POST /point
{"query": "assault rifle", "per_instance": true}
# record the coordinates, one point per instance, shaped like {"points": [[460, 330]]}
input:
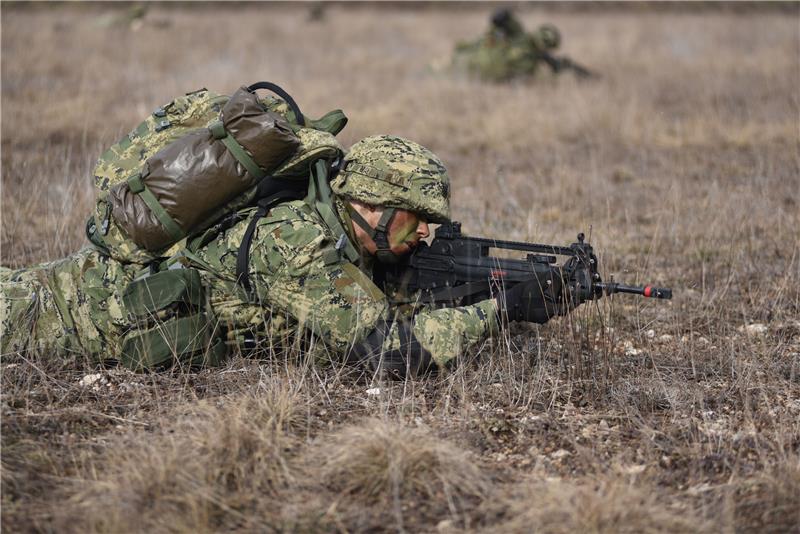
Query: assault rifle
{"points": [[558, 64], [456, 270]]}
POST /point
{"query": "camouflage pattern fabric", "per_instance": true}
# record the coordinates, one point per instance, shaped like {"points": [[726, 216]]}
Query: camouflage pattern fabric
{"points": [[314, 145], [385, 170], [297, 282], [301, 286], [121, 160], [69, 305], [168, 123], [506, 52]]}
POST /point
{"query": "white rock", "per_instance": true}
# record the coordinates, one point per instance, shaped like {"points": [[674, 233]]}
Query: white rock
{"points": [[444, 525], [560, 453], [650, 333], [630, 350], [634, 469], [374, 392], [699, 489], [88, 380], [753, 329]]}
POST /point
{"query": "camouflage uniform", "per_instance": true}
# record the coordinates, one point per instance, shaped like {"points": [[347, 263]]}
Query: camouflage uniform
{"points": [[300, 281], [506, 51], [68, 305]]}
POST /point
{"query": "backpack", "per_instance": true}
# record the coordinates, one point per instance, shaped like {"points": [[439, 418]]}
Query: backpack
{"points": [[199, 158]]}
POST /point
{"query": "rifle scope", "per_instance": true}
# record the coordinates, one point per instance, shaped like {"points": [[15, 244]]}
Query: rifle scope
{"points": [[648, 291]]}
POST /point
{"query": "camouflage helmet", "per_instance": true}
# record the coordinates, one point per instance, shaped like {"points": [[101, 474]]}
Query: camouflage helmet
{"points": [[389, 171], [504, 22], [549, 35]]}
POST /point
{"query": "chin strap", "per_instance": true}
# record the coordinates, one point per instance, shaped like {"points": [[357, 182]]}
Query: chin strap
{"points": [[379, 234]]}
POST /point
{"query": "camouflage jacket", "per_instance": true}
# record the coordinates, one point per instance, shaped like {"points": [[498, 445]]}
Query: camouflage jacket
{"points": [[300, 285], [500, 57]]}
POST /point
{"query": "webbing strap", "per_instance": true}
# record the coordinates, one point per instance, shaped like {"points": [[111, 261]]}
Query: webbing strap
{"points": [[333, 122], [237, 150], [379, 234], [138, 187], [243, 254], [362, 222], [182, 257], [394, 178], [63, 309], [319, 196], [385, 220]]}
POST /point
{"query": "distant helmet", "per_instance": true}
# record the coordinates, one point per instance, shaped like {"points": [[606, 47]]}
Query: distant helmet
{"points": [[501, 17], [389, 171], [504, 22], [550, 35]]}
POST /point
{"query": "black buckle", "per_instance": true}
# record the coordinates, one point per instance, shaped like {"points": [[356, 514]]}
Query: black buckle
{"points": [[249, 342]]}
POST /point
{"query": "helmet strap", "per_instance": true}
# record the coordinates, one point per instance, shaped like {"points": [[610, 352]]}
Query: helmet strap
{"points": [[379, 234]]}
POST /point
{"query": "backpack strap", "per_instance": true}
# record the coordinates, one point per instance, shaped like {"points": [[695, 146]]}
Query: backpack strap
{"points": [[320, 198], [219, 132], [299, 119], [137, 187], [243, 254]]}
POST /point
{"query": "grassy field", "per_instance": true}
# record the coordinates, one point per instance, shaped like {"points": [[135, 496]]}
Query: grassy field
{"points": [[628, 416]]}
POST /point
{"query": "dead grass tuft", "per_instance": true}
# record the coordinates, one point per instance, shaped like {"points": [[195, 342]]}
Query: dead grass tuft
{"points": [[382, 466], [594, 506], [198, 471], [771, 502]]}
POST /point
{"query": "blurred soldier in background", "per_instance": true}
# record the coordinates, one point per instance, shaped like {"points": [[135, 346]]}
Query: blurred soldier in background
{"points": [[506, 51], [309, 272]]}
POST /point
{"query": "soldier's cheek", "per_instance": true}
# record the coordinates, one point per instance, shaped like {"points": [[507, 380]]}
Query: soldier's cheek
{"points": [[402, 236]]}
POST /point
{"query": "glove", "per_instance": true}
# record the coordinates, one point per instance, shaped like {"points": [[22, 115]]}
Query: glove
{"points": [[534, 301]]}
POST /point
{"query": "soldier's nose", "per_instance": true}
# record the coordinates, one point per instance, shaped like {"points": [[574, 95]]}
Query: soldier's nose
{"points": [[423, 229]]}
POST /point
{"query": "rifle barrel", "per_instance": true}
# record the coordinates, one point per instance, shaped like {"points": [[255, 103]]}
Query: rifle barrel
{"points": [[647, 291]]}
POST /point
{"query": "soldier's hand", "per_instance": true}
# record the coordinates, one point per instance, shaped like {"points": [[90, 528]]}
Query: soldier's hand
{"points": [[534, 301]]}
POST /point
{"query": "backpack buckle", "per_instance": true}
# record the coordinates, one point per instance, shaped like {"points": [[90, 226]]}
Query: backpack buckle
{"points": [[218, 130]]}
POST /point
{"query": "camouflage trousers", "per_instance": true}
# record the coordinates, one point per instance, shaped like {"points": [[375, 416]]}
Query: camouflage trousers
{"points": [[74, 306], [66, 306]]}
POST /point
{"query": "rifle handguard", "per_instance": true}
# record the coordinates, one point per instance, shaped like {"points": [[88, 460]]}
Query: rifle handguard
{"points": [[531, 302]]}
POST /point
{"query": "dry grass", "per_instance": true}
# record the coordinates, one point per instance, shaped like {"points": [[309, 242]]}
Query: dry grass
{"points": [[596, 506], [378, 469], [628, 416], [212, 460]]}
